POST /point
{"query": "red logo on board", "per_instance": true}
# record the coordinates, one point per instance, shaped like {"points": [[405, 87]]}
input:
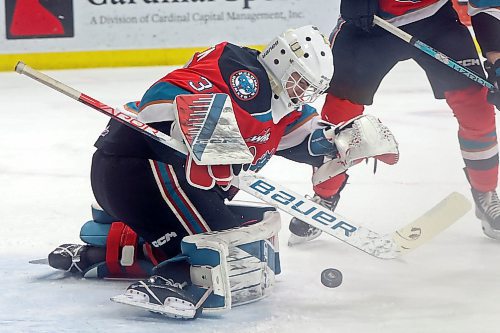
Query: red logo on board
{"points": [[39, 18]]}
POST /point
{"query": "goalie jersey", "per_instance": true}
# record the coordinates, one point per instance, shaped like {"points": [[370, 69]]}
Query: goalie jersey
{"points": [[224, 68]]}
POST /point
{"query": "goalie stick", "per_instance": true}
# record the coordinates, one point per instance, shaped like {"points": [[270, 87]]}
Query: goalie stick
{"points": [[130, 121], [389, 246], [443, 58]]}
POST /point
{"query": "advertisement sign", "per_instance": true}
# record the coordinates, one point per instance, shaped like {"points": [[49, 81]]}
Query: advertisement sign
{"points": [[29, 26]]}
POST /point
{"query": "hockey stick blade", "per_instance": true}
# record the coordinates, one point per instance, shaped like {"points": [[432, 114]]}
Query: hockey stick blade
{"points": [[381, 246], [437, 219]]}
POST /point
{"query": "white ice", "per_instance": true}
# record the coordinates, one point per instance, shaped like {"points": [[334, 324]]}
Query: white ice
{"points": [[448, 285]]}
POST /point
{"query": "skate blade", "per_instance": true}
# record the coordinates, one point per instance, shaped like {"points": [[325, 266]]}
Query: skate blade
{"points": [[165, 310], [295, 240], [489, 231], [43, 261]]}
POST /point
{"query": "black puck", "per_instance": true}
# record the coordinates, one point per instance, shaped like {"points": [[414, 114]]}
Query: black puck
{"points": [[331, 278]]}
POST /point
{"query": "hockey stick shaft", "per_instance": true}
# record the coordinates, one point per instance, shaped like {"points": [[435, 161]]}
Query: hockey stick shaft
{"points": [[433, 53], [380, 246], [119, 116]]}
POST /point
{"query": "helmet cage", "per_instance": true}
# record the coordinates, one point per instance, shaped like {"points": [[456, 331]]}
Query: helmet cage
{"points": [[299, 88]]}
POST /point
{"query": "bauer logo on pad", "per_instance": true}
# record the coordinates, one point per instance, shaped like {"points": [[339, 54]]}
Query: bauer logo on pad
{"points": [[210, 130]]}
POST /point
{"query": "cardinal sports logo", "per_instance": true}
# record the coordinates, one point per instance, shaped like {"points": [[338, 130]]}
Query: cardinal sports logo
{"points": [[244, 84], [38, 19]]}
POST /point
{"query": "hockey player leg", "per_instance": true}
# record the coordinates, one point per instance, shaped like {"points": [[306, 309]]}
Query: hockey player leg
{"points": [[478, 143], [335, 110], [226, 268]]}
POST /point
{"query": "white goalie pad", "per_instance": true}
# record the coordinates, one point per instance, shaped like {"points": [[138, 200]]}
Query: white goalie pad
{"points": [[238, 264], [360, 138], [209, 129]]}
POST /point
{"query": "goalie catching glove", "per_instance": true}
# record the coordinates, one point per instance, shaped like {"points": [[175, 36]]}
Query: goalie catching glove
{"points": [[343, 146], [353, 141]]}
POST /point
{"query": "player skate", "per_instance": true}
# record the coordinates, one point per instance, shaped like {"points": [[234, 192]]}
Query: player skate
{"points": [[488, 211], [300, 231]]}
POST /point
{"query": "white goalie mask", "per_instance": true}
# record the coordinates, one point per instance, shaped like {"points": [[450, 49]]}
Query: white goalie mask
{"points": [[299, 63]]}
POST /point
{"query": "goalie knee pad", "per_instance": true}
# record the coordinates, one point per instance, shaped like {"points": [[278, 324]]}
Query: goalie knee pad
{"points": [[124, 249], [235, 266]]}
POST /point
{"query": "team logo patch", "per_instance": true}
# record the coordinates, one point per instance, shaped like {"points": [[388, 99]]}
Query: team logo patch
{"points": [[244, 84], [262, 137]]}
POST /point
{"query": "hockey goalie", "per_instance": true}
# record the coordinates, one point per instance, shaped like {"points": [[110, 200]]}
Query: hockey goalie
{"points": [[168, 220]]}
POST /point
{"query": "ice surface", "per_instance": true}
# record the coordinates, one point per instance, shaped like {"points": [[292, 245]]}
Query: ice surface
{"points": [[448, 285]]}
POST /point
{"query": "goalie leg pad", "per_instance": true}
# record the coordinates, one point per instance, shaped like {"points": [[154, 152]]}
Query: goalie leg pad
{"points": [[238, 265]]}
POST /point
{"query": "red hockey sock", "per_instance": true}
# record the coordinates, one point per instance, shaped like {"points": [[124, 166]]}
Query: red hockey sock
{"points": [[336, 110], [477, 135]]}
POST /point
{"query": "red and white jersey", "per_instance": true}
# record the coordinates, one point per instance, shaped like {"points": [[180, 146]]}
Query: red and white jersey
{"points": [[235, 71], [401, 12]]}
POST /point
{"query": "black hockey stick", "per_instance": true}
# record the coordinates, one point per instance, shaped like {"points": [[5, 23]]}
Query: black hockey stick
{"points": [[443, 58]]}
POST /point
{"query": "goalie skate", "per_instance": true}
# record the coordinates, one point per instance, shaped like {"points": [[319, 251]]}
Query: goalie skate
{"points": [[69, 258], [160, 295]]}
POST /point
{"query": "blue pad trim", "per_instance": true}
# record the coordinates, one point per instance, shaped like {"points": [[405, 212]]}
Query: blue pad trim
{"points": [[100, 216], [96, 233]]}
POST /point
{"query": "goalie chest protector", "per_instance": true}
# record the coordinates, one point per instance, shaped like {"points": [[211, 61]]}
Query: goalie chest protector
{"points": [[233, 70]]}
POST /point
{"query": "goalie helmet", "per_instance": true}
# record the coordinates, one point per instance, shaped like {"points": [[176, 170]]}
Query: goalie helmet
{"points": [[299, 63]]}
